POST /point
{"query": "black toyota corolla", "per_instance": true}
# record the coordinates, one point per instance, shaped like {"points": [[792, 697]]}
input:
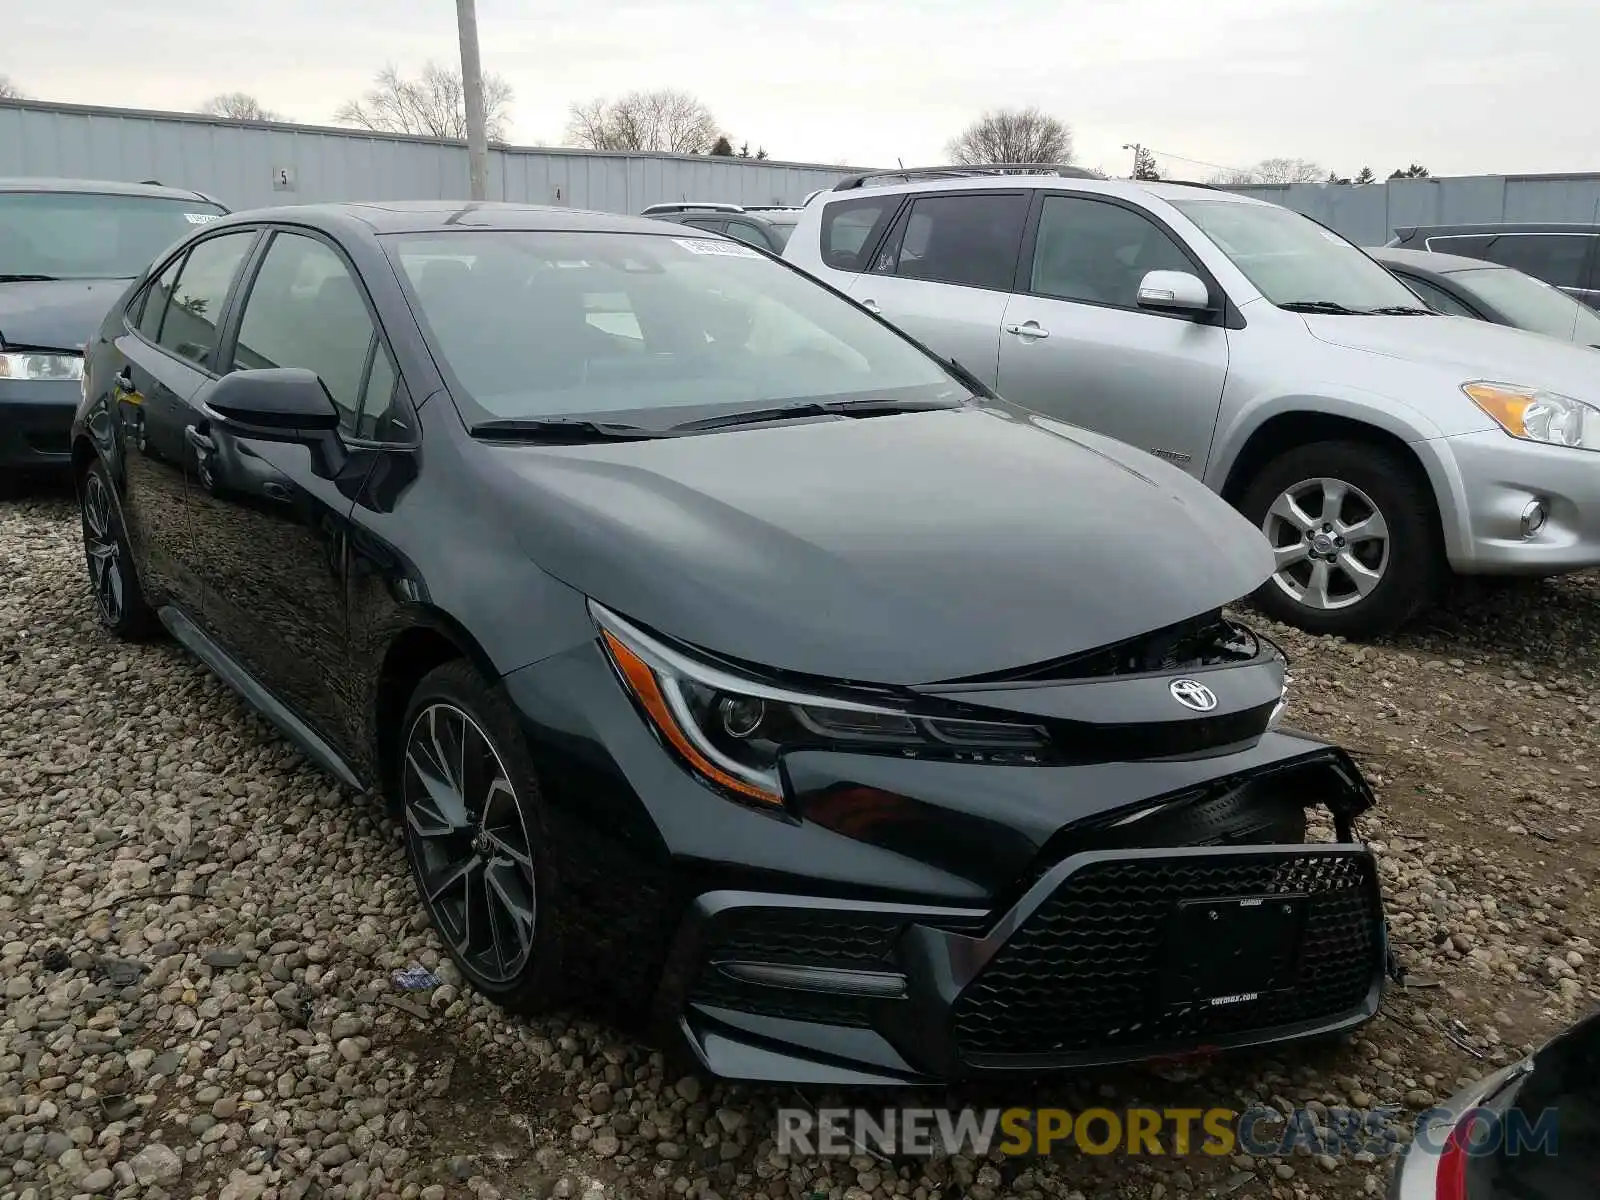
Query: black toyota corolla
{"points": [[732, 662]]}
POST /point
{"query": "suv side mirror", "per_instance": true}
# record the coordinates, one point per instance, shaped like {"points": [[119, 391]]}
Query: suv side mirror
{"points": [[278, 404], [1174, 291]]}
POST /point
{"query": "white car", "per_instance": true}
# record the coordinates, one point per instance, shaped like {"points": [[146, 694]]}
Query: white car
{"points": [[1377, 445]]}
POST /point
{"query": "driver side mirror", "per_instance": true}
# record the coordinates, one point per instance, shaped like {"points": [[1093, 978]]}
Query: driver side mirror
{"points": [[275, 404], [1175, 292]]}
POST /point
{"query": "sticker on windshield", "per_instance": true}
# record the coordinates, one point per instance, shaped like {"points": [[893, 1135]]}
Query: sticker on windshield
{"points": [[200, 218], [709, 246]]}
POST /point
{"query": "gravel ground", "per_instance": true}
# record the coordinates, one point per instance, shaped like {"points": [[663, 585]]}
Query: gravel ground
{"points": [[198, 933]]}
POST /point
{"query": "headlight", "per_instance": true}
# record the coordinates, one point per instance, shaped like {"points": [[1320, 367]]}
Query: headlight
{"points": [[1537, 415], [732, 729], [17, 365]]}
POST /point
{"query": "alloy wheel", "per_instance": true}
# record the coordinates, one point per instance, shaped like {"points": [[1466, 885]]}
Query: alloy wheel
{"points": [[102, 544], [471, 843], [1330, 542]]}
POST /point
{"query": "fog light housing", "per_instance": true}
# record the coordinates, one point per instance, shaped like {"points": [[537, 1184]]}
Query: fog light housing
{"points": [[1534, 517]]}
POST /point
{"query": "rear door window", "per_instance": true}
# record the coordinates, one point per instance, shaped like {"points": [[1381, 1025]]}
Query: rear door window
{"points": [[749, 234], [958, 237], [189, 329], [155, 301], [850, 228]]}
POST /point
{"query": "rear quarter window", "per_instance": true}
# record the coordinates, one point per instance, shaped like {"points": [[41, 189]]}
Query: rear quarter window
{"points": [[850, 228]]}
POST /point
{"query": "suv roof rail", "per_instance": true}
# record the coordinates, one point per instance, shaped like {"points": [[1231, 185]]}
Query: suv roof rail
{"points": [[910, 174], [688, 205], [1211, 187], [773, 207]]}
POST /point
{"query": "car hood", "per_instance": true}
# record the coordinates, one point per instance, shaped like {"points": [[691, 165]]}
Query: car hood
{"points": [[56, 315], [1468, 349], [905, 549]]}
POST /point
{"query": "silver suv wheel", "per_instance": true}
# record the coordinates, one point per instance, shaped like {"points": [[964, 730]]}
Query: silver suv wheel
{"points": [[1331, 543]]}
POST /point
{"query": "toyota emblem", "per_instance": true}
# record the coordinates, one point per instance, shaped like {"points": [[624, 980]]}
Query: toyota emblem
{"points": [[1191, 693]]}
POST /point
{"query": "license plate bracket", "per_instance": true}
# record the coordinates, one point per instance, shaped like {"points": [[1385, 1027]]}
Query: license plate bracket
{"points": [[1234, 950]]}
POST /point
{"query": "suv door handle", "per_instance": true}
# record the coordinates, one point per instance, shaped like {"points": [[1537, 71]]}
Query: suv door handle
{"points": [[1029, 329], [870, 305], [198, 440]]}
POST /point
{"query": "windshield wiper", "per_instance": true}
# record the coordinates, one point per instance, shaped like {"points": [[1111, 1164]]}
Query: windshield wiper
{"points": [[1402, 310], [560, 430], [30, 278], [1323, 306], [879, 407]]}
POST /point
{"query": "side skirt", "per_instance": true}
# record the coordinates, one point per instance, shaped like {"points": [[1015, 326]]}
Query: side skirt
{"points": [[235, 676]]}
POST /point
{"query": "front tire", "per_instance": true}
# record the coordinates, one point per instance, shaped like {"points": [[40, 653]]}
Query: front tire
{"points": [[113, 582], [1354, 536], [477, 839]]}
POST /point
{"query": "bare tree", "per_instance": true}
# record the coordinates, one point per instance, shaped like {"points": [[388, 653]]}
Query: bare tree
{"points": [[9, 90], [240, 106], [1274, 170], [1018, 135], [431, 105], [664, 121]]}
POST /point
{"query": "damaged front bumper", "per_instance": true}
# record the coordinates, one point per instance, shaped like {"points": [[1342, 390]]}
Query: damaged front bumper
{"points": [[1110, 950]]}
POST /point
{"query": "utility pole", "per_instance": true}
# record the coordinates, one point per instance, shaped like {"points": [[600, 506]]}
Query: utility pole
{"points": [[1138, 150], [472, 93]]}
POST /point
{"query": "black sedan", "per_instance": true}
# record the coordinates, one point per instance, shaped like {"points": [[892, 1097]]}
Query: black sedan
{"points": [[1484, 291], [68, 248], [732, 663]]}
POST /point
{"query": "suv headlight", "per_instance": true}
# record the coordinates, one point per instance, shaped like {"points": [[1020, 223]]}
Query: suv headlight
{"points": [[18, 365], [1536, 415], [731, 729]]}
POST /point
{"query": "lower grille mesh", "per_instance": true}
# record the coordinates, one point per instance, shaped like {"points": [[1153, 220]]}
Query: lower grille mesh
{"points": [[1086, 975]]}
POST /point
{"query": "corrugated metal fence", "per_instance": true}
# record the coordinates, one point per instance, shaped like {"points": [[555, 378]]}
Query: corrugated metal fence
{"points": [[251, 164], [1370, 214]]}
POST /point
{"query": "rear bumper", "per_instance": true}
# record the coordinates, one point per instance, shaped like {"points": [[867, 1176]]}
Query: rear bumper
{"points": [[36, 423], [1087, 968]]}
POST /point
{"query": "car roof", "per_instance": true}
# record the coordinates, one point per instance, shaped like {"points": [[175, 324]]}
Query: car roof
{"points": [[1049, 182], [100, 187], [1503, 227], [426, 216], [1430, 261]]}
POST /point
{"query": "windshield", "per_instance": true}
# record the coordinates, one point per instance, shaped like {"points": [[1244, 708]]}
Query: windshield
{"points": [[80, 235], [1292, 260], [1530, 303], [541, 324]]}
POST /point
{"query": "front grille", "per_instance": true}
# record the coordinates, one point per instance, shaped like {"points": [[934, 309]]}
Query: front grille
{"points": [[1090, 974]]}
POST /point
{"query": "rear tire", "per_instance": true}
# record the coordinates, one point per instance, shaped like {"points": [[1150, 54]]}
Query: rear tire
{"points": [[478, 841], [113, 582], [1354, 531]]}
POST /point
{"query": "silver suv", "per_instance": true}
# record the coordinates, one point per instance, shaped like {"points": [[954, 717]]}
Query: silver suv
{"points": [[1377, 445]]}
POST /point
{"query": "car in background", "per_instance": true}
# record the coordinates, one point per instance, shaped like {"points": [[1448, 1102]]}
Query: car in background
{"points": [[739, 666], [1566, 255], [1529, 1131], [68, 248], [1485, 291], [1376, 444], [764, 227]]}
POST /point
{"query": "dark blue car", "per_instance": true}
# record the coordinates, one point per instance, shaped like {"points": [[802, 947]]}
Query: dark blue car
{"points": [[68, 248]]}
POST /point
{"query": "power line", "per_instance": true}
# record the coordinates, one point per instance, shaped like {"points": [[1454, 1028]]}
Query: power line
{"points": [[1197, 162]]}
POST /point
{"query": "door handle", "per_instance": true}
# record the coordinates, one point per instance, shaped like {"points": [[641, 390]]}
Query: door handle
{"points": [[870, 305], [1029, 329], [200, 441]]}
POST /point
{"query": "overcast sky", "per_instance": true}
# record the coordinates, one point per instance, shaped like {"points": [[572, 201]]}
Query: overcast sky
{"points": [[1463, 86]]}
